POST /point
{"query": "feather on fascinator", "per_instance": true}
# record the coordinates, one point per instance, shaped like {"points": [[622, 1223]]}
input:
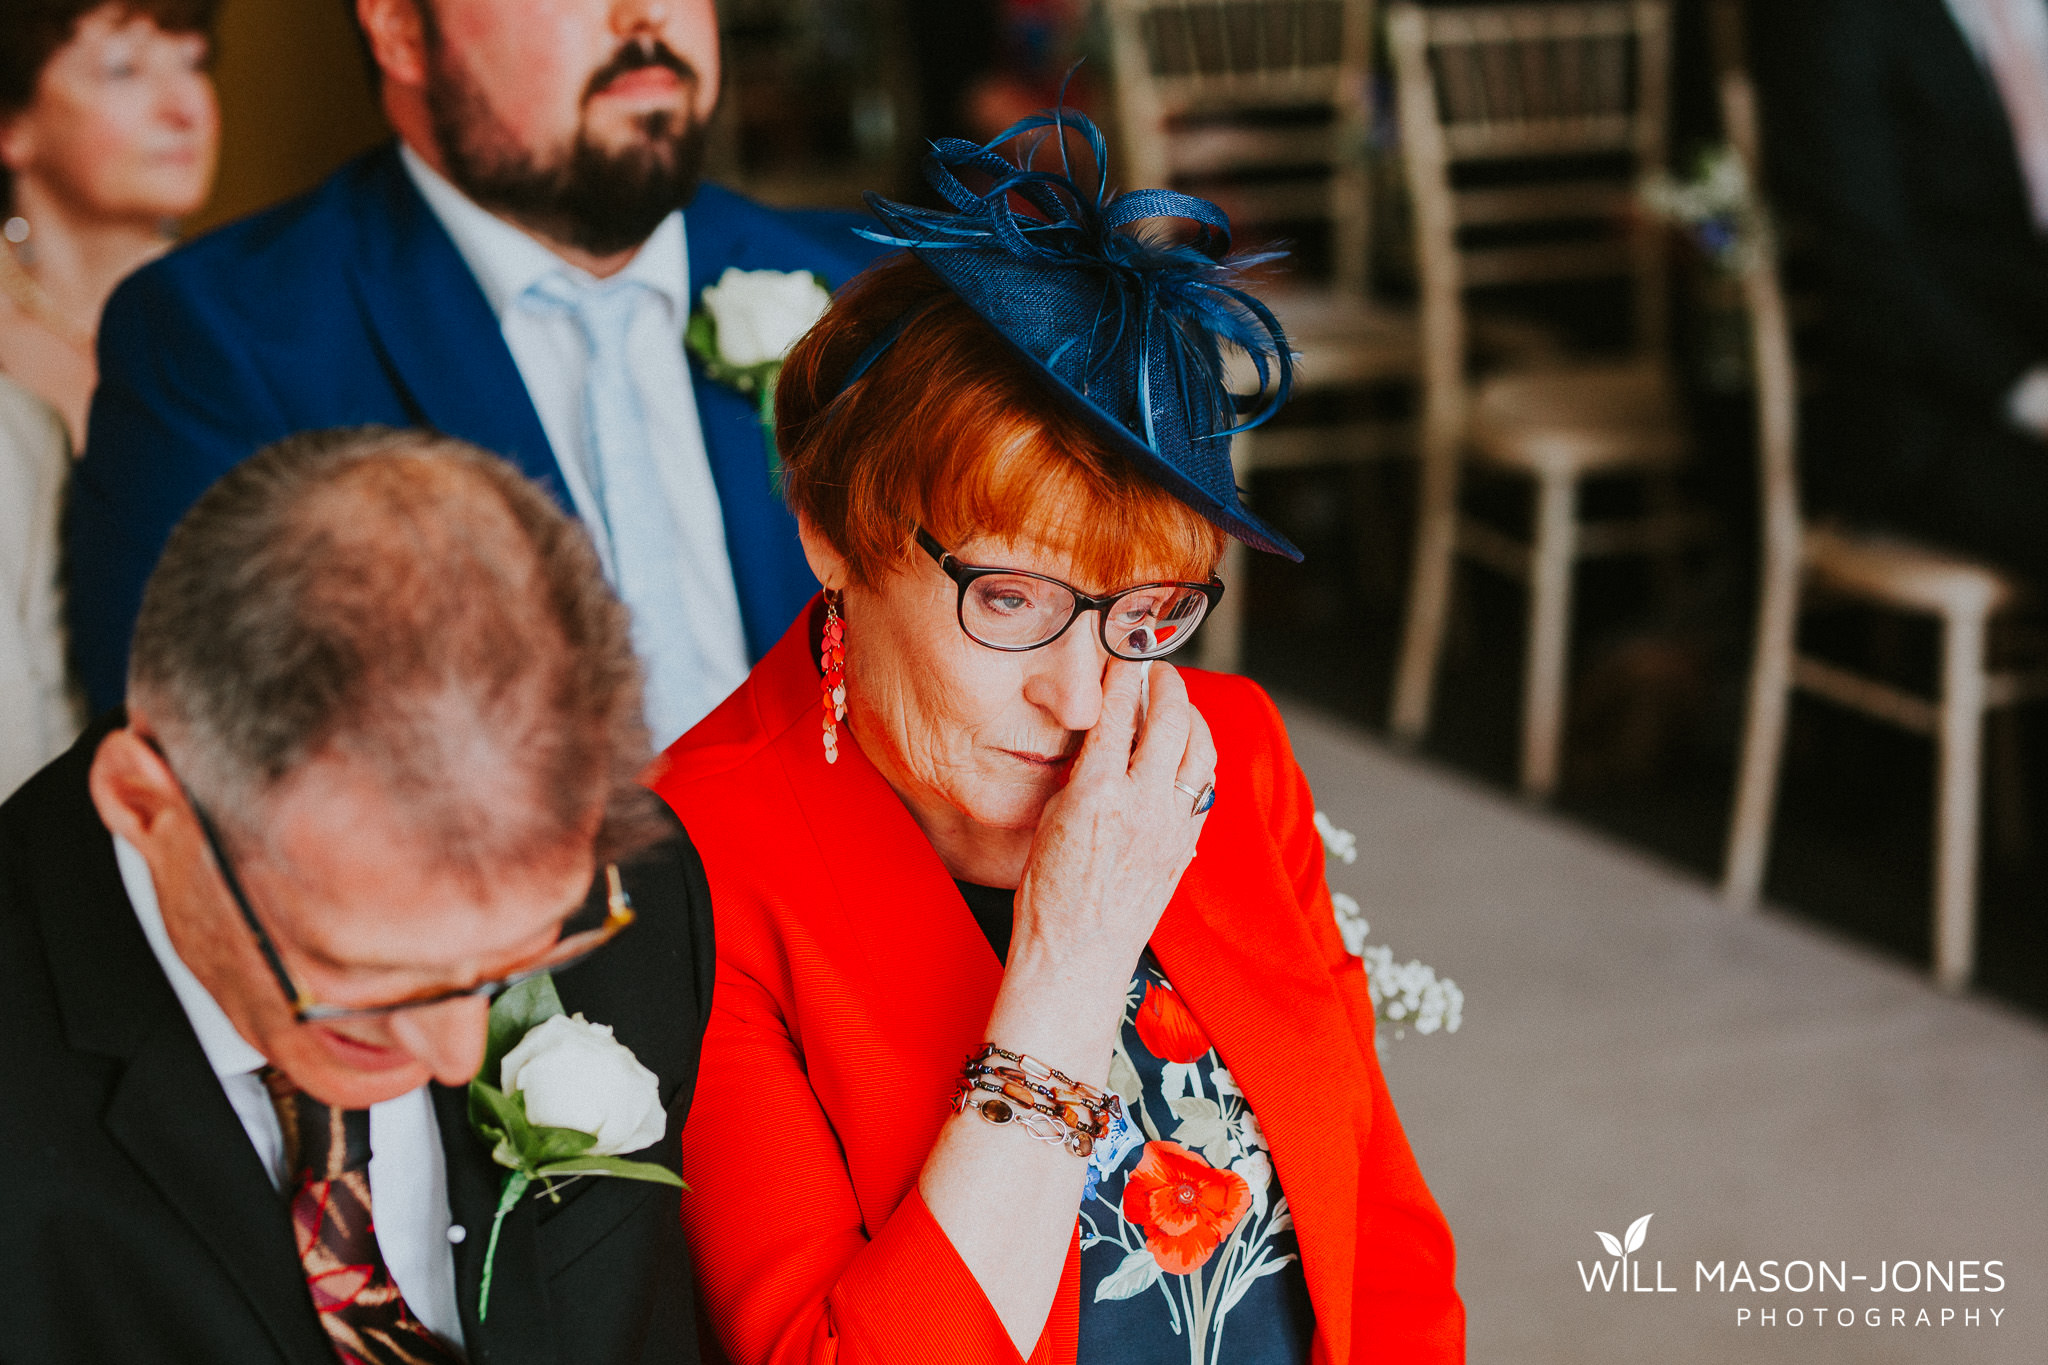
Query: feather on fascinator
{"points": [[1127, 327]]}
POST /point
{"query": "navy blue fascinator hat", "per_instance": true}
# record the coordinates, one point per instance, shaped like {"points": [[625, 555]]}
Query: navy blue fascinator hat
{"points": [[1127, 327]]}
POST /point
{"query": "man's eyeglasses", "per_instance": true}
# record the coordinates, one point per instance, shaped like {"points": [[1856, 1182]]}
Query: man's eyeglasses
{"points": [[1011, 610], [597, 922]]}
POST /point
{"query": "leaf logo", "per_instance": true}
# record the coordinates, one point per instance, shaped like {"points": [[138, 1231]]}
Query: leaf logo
{"points": [[1629, 1241], [1615, 1274]]}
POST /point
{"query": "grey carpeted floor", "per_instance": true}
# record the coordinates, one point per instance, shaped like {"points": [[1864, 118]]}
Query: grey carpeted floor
{"points": [[1630, 1048]]}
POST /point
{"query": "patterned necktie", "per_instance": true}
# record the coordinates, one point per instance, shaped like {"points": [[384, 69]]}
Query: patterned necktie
{"points": [[328, 1152], [639, 540]]}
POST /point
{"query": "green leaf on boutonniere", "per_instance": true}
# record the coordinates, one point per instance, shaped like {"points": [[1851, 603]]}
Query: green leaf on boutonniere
{"points": [[614, 1165], [557, 1144], [513, 1015], [521, 1144], [500, 1119]]}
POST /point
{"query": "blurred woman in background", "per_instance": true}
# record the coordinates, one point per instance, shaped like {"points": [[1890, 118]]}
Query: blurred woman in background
{"points": [[108, 132]]}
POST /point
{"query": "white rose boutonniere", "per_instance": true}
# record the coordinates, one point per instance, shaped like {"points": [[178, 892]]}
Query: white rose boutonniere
{"points": [[574, 1074], [569, 1099], [745, 326]]}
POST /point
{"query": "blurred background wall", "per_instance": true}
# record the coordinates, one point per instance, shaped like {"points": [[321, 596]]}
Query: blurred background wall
{"points": [[821, 99], [295, 102]]}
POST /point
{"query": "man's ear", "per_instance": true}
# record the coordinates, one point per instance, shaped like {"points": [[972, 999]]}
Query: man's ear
{"points": [[133, 788], [397, 36], [827, 564]]}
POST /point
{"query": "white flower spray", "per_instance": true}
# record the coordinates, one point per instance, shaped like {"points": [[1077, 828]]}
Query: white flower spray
{"points": [[1407, 994]]}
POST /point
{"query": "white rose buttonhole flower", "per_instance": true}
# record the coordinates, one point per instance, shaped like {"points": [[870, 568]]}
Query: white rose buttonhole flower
{"points": [[743, 328], [760, 314], [569, 1099], [574, 1074]]}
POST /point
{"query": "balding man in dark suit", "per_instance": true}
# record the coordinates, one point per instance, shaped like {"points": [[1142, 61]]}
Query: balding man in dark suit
{"points": [[377, 763]]}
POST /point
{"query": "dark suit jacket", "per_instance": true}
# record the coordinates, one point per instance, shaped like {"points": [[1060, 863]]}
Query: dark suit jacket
{"points": [[136, 1223], [351, 305], [1886, 134], [1891, 156]]}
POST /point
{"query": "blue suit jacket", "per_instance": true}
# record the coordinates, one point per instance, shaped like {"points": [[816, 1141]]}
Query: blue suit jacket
{"points": [[351, 305]]}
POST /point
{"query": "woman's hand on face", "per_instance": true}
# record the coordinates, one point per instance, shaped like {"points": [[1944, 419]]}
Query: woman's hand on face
{"points": [[1108, 851], [1111, 847]]}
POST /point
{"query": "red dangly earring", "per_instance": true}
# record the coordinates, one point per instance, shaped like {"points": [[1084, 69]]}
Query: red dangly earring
{"points": [[833, 685]]}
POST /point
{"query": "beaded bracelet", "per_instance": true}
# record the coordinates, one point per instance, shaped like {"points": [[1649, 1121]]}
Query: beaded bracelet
{"points": [[1070, 1113], [1072, 1102], [1070, 1108]]}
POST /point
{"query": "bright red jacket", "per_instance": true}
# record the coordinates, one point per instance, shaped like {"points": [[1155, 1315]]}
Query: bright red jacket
{"points": [[853, 981]]}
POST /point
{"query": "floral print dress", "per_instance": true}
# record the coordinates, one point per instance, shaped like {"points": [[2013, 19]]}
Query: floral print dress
{"points": [[1188, 1252]]}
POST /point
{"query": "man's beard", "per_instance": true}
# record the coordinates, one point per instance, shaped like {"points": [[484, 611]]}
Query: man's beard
{"points": [[600, 200]]}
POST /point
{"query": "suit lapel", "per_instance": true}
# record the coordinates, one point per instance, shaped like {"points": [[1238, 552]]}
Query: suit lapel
{"points": [[174, 1121], [435, 332], [516, 1333], [167, 1110], [760, 533], [1275, 1019]]}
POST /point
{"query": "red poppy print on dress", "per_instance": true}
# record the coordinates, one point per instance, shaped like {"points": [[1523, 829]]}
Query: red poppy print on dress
{"points": [[1186, 1206], [1167, 1027]]}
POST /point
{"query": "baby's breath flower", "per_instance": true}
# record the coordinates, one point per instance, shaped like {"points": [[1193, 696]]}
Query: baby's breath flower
{"points": [[1406, 994], [1340, 844]]}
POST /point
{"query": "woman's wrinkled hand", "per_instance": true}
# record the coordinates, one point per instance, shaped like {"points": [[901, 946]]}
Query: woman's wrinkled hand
{"points": [[1111, 847]]}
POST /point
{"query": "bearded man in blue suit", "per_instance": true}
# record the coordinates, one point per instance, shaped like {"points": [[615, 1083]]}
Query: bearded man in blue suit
{"points": [[517, 270]]}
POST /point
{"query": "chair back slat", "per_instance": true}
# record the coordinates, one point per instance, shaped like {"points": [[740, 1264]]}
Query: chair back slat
{"points": [[1551, 202], [1520, 120], [1218, 150], [1535, 63], [1235, 46], [1584, 135], [1262, 104], [1546, 263], [1770, 332]]}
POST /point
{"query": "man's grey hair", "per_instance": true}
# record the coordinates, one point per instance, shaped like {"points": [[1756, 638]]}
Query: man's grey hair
{"points": [[406, 601]]}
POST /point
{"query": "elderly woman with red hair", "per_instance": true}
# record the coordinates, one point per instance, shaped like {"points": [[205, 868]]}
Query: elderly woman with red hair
{"points": [[963, 813]]}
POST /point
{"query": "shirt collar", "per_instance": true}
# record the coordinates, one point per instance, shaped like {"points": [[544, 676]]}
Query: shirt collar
{"points": [[507, 262], [227, 1051]]}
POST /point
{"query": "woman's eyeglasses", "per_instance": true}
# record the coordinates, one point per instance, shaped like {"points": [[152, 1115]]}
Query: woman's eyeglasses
{"points": [[1011, 610], [580, 937]]}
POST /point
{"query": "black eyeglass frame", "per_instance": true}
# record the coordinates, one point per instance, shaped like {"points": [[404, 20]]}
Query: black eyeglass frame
{"points": [[964, 574], [619, 913]]}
